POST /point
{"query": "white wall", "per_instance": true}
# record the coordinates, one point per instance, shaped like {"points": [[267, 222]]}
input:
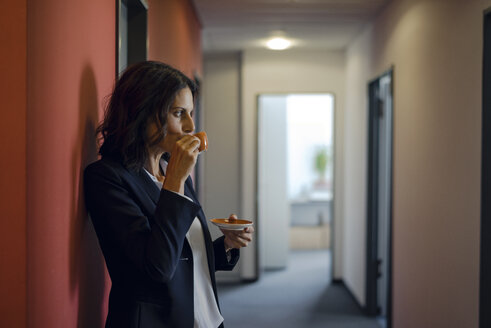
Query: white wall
{"points": [[436, 49], [355, 179], [273, 217], [285, 72], [221, 173]]}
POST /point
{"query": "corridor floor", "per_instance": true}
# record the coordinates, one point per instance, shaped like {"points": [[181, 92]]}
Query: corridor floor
{"points": [[299, 296]]}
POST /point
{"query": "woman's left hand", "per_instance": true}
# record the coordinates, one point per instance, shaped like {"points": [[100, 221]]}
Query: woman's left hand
{"points": [[237, 238]]}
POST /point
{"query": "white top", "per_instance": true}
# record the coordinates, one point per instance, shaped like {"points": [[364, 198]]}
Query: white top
{"points": [[206, 313]]}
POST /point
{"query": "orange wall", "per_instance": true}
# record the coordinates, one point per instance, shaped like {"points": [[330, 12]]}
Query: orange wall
{"points": [[58, 65], [13, 164], [174, 32], [71, 67]]}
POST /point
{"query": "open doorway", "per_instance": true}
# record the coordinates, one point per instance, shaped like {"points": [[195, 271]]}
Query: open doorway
{"points": [[295, 177]]}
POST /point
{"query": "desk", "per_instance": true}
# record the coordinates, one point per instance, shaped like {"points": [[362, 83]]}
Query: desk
{"points": [[311, 211]]}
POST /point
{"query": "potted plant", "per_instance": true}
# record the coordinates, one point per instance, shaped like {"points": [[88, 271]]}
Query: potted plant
{"points": [[321, 161]]}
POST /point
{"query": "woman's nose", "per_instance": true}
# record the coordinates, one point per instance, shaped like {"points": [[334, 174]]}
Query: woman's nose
{"points": [[188, 124]]}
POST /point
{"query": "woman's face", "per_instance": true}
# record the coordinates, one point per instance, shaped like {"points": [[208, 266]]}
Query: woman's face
{"points": [[179, 120]]}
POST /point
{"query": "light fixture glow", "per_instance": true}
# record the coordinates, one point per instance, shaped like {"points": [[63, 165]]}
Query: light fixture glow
{"points": [[278, 43]]}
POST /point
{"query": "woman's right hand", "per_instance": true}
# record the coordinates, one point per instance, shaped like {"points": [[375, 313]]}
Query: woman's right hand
{"points": [[182, 161]]}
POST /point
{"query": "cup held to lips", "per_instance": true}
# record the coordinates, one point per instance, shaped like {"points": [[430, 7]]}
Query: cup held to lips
{"points": [[204, 141]]}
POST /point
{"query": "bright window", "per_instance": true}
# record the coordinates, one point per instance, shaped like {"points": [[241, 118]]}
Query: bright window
{"points": [[310, 145]]}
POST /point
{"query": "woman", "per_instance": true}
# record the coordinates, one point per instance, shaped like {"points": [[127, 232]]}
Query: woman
{"points": [[150, 225]]}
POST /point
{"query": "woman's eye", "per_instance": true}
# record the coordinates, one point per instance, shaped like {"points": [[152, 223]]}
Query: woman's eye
{"points": [[178, 113]]}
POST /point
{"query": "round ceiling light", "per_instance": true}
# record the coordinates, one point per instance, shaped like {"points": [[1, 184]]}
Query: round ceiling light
{"points": [[278, 43]]}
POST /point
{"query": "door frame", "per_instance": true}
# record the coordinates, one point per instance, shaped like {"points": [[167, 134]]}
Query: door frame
{"points": [[332, 234], [371, 306]]}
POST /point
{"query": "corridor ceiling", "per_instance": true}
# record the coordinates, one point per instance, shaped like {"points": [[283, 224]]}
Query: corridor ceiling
{"points": [[233, 25]]}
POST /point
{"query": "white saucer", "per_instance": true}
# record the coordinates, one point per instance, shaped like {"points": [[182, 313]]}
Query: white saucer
{"points": [[227, 224]]}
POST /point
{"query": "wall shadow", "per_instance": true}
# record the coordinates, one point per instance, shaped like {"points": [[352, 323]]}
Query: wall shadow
{"points": [[87, 266]]}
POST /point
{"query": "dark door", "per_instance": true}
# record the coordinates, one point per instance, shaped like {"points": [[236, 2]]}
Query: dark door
{"points": [[131, 38], [379, 202], [485, 285]]}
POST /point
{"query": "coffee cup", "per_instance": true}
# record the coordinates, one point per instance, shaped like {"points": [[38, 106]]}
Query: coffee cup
{"points": [[204, 141]]}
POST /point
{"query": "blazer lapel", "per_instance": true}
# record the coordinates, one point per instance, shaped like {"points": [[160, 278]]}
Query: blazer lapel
{"points": [[146, 184]]}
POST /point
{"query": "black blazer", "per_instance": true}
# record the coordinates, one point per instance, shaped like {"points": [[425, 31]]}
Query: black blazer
{"points": [[142, 234]]}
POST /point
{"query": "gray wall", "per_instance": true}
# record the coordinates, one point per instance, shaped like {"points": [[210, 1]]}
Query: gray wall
{"points": [[221, 185]]}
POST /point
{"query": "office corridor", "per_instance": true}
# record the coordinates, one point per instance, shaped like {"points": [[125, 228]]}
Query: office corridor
{"points": [[299, 296]]}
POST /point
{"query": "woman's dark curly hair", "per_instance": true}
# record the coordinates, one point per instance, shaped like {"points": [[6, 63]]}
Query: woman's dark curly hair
{"points": [[144, 92]]}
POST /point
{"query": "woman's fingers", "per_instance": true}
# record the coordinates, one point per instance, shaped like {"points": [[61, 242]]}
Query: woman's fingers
{"points": [[185, 151], [182, 162], [189, 143], [245, 235], [237, 242], [238, 239]]}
